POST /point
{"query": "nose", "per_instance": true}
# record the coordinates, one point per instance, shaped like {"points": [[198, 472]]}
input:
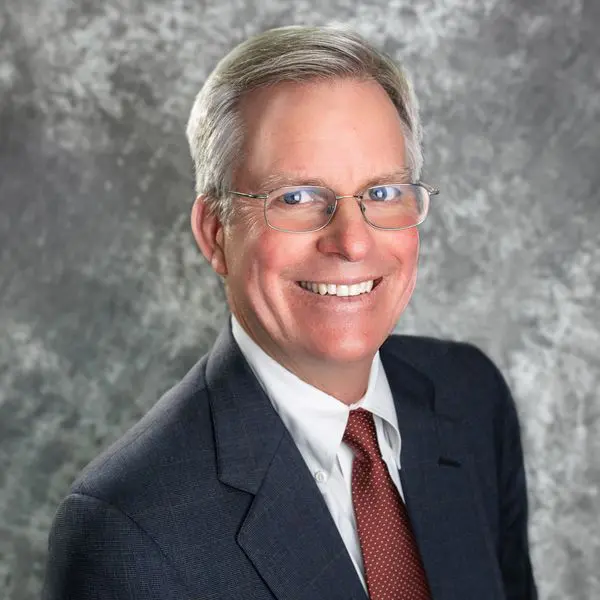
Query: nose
{"points": [[348, 234]]}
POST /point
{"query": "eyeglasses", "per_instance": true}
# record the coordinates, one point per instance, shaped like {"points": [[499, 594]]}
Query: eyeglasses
{"points": [[304, 208]]}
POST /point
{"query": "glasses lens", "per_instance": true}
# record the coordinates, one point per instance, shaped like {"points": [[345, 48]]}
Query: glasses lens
{"points": [[303, 208], [396, 206]]}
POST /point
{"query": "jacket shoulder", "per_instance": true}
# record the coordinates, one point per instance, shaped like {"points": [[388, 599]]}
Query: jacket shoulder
{"points": [[176, 431], [466, 380], [432, 354]]}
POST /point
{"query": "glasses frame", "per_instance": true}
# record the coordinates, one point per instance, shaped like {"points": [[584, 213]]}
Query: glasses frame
{"points": [[431, 191]]}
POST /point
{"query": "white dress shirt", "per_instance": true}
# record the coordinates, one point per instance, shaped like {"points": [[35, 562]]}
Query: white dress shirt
{"points": [[317, 421]]}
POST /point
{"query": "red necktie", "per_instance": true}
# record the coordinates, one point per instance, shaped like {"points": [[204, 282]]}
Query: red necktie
{"points": [[393, 566]]}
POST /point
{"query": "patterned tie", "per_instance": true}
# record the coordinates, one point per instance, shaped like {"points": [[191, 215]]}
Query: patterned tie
{"points": [[393, 566]]}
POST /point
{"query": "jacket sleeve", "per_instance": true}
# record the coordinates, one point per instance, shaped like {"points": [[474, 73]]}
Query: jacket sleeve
{"points": [[513, 551], [97, 552]]}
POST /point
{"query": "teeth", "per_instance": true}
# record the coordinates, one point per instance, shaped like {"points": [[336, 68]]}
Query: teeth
{"points": [[340, 290]]}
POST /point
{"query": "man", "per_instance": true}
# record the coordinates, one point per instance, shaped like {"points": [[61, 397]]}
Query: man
{"points": [[310, 455]]}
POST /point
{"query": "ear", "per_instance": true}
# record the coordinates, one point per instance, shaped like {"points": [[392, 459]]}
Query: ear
{"points": [[208, 232]]}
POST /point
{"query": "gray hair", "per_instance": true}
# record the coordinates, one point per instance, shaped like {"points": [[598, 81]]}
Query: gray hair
{"points": [[215, 129]]}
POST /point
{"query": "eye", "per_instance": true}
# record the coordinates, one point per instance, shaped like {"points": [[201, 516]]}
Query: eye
{"points": [[301, 195], [296, 196], [384, 192]]}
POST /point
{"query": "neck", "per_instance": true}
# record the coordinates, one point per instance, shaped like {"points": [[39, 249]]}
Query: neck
{"points": [[346, 383]]}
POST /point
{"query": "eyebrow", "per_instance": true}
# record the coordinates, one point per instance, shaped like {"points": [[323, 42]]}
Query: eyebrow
{"points": [[280, 179]]}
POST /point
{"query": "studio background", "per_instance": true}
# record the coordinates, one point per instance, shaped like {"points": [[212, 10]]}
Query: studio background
{"points": [[105, 301]]}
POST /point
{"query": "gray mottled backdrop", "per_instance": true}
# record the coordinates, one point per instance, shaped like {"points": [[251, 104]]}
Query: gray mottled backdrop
{"points": [[105, 302]]}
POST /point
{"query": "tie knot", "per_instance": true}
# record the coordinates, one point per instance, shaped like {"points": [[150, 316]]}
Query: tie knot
{"points": [[360, 433]]}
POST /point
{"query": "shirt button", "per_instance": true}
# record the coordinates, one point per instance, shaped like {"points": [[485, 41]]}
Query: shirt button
{"points": [[321, 476]]}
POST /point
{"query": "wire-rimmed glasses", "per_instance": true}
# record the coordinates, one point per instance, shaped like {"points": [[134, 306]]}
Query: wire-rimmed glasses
{"points": [[305, 208]]}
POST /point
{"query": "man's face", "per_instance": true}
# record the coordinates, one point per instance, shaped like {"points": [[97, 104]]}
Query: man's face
{"points": [[347, 134]]}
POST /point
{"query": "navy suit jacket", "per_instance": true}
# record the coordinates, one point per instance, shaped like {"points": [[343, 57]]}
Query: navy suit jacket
{"points": [[208, 497]]}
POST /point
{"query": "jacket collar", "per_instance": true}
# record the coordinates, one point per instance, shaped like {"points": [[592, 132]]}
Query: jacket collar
{"points": [[248, 430]]}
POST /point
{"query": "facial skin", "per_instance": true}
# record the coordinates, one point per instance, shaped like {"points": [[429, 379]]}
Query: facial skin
{"points": [[346, 133]]}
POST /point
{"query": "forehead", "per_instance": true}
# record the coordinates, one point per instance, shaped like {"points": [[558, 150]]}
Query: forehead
{"points": [[330, 130]]}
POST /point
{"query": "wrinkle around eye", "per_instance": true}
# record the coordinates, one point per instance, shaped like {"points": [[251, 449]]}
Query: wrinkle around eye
{"points": [[250, 215]]}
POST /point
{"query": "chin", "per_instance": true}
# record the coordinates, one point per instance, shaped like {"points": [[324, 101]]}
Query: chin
{"points": [[346, 349]]}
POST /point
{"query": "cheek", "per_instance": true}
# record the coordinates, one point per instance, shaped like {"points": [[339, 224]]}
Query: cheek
{"points": [[258, 255], [415, 243], [405, 248], [277, 259]]}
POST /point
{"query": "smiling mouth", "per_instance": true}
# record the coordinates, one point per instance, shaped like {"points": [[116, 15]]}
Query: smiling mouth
{"points": [[340, 290]]}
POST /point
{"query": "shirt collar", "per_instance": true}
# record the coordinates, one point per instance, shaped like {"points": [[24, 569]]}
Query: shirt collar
{"points": [[317, 421]]}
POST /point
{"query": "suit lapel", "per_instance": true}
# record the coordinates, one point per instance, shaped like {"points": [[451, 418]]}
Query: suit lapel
{"points": [[291, 538], [439, 489], [288, 533]]}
